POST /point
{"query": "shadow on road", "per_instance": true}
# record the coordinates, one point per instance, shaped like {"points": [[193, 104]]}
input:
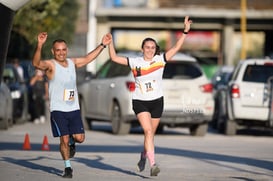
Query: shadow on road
{"points": [[98, 163], [211, 158], [28, 163]]}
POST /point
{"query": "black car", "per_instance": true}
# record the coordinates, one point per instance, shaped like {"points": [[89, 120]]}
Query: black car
{"points": [[220, 83], [19, 94]]}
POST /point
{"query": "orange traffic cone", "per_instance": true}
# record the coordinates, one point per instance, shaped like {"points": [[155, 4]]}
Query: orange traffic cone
{"points": [[45, 146], [26, 145]]}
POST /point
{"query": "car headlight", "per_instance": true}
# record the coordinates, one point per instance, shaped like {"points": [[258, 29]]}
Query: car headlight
{"points": [[15, 94]]}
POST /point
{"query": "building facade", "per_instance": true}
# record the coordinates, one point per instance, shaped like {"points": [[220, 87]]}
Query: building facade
{"points": [[217, 28]]}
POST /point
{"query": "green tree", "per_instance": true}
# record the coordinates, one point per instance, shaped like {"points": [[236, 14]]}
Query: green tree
{"points": [[57, 17]]}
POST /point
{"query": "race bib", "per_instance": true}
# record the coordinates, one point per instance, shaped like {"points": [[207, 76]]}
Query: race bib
{"points": [[69, 95], [148, 86]]}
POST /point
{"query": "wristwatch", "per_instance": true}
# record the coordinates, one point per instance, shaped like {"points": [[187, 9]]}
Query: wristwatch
{"points": [[104, 46]]}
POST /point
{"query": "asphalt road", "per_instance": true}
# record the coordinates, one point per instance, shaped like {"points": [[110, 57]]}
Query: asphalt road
{"points": [[103, 156]]}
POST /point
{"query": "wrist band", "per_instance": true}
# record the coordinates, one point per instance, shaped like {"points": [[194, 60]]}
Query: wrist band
{"points": [[185, 32], [104, 46]]}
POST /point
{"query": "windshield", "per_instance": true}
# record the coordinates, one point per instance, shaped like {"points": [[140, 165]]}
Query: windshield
{"points": [[181, 70]]}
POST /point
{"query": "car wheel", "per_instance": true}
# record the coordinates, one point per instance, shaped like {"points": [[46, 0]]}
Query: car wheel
{"points": [[230, 127], [221, 123], [222, 113], [4, 123], [10, 122], [86, 122], [25, 117], [221, 119], [118, 125], [199, 130], [215, 116]]}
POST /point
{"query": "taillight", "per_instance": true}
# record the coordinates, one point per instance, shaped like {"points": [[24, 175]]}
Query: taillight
{"points": [[235, 91], [268, 64], [208, 88], [131, 86]]}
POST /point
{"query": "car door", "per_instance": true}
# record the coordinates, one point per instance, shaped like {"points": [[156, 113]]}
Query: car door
{"points": [[111, 88], [94, 92]]}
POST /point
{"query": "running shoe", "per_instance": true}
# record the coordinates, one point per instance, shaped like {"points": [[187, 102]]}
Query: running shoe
{"points": [[155, 170], [141, 163], [68, 172], [72, 147]]}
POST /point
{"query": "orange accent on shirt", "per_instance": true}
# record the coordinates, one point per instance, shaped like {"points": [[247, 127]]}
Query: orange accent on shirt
{"points": [[145, 71]]}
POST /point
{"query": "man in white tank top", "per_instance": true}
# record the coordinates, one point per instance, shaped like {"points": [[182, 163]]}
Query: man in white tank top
{"points": [[66, 121]]}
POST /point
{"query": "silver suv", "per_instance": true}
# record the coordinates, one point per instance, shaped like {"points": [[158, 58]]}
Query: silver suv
{"points": [[247, 100], [188, 99]]}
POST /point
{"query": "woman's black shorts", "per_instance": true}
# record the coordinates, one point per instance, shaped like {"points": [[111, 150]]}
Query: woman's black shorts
{"points": [[154, 107]]}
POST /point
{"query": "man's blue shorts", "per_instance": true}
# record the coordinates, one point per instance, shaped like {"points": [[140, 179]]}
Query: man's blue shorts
{"points": [[66, 123]]}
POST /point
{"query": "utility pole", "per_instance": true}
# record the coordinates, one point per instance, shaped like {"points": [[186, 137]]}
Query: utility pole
{"points": [[243, 28], [91, 35]]}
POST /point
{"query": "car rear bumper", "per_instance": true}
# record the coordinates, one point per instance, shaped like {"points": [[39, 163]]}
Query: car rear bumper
{"points": [[176, 118], [251, 113]]}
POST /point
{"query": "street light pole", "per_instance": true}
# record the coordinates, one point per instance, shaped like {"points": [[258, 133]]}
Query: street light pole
{"points": [[243, 28]]}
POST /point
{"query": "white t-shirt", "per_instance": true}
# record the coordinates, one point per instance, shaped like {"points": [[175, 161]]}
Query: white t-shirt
{"points": [[148, 77]]}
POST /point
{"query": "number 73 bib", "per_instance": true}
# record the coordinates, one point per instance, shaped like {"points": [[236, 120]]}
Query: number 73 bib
{"points": [[69, 95]]}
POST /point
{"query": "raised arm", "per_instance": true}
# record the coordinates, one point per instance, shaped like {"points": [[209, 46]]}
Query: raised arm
{"points": [[36, 60], [172, 51], [113, 55], [81, 61]]}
